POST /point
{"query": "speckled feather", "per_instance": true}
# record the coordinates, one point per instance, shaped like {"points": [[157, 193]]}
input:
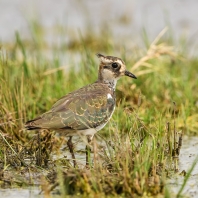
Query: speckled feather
{"points": [[88, 107], [86, 110]]}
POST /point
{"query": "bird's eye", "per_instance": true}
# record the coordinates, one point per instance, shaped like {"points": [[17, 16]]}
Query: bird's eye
{"points": [[114, 65]]}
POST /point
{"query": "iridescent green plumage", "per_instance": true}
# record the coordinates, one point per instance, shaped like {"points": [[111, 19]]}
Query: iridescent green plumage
{"points": [[88, 107]]}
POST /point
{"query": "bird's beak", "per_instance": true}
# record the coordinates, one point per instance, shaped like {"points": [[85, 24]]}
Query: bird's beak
{"points": [[127, 73]]}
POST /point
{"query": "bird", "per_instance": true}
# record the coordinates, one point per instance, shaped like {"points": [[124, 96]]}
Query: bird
{"points": [[87, 110]]}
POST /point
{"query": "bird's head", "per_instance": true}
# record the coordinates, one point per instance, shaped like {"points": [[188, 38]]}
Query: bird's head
{"points": [[112, 68]]}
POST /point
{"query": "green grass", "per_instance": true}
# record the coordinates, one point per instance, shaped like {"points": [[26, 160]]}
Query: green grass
{"points": [[138, 154]]}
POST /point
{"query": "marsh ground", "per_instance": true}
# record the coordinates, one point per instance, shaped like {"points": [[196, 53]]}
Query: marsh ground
{"points": [[152, 114]]}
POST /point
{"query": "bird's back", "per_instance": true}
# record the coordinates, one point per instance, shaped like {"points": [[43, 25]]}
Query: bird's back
{"points": [[87, 108]]}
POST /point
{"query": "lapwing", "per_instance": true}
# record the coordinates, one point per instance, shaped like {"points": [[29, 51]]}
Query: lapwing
{"points": [[87, 110]]}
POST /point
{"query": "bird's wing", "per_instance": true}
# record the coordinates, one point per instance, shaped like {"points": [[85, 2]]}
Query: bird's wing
{"points": [[85, 108]]}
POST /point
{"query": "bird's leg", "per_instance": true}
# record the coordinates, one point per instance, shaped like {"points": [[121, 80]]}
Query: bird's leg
{"points": [[88, 150], [38, 158], [71, 149]]}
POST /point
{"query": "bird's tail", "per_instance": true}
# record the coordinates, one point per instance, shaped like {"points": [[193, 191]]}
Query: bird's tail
{"points": [[31, 124]]}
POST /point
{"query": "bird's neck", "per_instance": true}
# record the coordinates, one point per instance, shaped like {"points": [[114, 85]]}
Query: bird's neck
{"points": [[111, 84], [108, 79]]}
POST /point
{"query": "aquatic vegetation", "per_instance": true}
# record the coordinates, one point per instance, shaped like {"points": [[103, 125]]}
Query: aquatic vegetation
{"points": [[134, 154]]}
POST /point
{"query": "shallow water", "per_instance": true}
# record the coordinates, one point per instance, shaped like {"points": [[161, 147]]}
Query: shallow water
{"points": [[31, 192], [188, 153], [125, 20]]}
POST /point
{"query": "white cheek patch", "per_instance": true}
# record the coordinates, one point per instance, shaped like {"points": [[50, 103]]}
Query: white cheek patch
{"points": [[107, 74]]}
